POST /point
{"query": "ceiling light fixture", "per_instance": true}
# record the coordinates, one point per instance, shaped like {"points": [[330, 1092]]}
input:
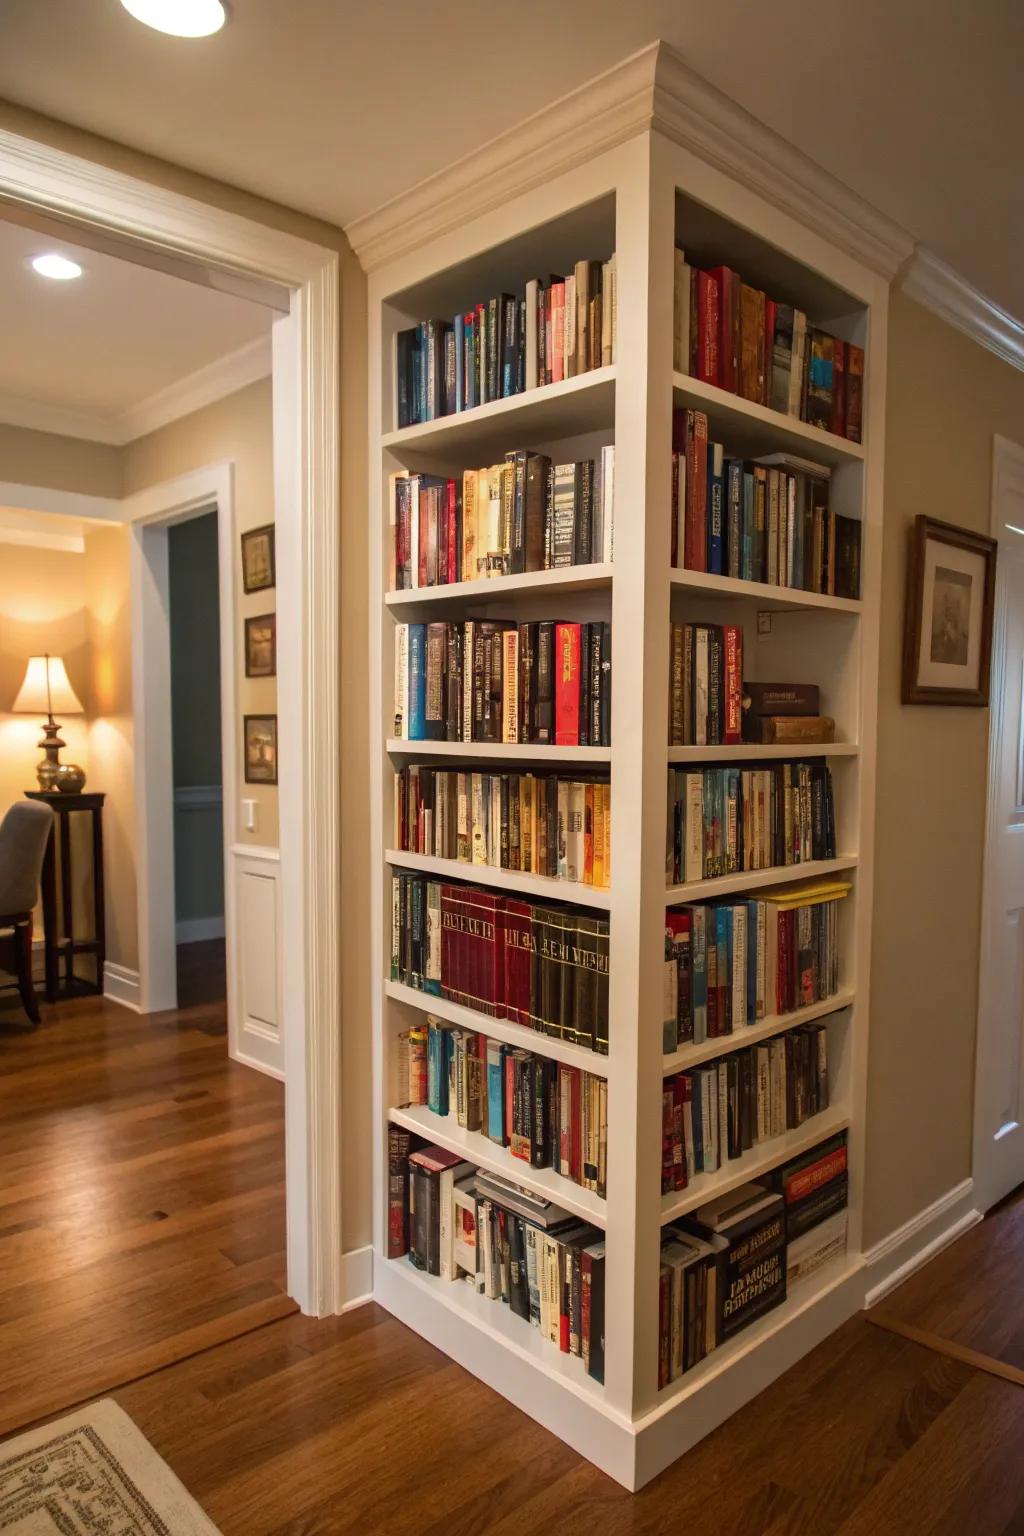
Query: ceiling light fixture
{"points": [[57, 267], [180, 18]]}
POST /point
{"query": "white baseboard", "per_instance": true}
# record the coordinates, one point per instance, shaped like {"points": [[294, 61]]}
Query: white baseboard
{"points": [[193, 930], [120, 985], [897, 1256], [356, 1281]]}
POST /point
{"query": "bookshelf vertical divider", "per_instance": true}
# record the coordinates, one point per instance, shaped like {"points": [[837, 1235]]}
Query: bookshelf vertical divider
{"points": [[633, 196]]}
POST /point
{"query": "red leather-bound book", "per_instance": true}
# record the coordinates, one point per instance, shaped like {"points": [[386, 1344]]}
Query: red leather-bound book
{"points": [[518, 960], [733, 685], [452, 550], [728, 286], [708, 321], [473, 943], [567, 685], [695, 556]]}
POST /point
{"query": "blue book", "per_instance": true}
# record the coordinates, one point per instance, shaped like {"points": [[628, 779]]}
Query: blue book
{"points": [[752, 911], [723, 946], [420, 375], [496, 1091], [698, 1124], [417, 682], [699, 952], [460, 404], [747, 556], [438, 1048], [733, 517], [733, 815], [716, 497]]}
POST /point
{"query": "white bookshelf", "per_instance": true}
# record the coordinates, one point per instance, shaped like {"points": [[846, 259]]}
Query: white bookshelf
{"points": [[637, 198]]}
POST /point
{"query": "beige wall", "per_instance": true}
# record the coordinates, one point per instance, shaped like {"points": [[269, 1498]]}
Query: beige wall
{"points": [[354, 703], [239, 428], [60, 463], [946, 398]]}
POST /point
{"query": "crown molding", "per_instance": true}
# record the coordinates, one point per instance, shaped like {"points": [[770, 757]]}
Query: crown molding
{"points": [[652, 90], [224, 376], [929, 281]]}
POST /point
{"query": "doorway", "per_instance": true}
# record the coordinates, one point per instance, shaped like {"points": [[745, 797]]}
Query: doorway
{"points": [[999, 1074]]}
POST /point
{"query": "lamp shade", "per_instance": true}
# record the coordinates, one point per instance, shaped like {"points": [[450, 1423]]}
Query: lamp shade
{"points": [[46, 690]]}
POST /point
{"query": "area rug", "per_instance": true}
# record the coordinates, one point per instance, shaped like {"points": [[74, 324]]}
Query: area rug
{"points": [[93, 1474]]}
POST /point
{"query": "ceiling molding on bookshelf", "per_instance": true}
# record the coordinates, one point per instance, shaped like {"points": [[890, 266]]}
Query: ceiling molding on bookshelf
{"points": [[929, 281], [652, 89]]}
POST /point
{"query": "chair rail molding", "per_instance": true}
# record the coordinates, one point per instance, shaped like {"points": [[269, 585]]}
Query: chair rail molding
{"points": [[151, 225]]}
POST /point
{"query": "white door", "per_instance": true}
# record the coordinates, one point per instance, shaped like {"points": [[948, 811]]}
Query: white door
{"points": [[999, 1078]]}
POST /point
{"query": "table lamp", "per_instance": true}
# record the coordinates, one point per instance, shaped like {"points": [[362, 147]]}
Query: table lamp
{"points": [[45, 689]]}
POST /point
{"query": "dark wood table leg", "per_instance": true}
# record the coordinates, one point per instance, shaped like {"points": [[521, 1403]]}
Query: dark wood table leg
{"points": [[65, 900], [98, 896], [50, 936]]}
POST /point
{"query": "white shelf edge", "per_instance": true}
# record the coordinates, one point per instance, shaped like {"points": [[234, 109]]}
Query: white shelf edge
{"points": [[755, 879], [503, 879], [500, 1323], [833, 449], [503, 751], [479, 1149], [528, 401], [807, 1294], [563, 578], [751, 1034], [499, 1029], [752, 752], [768, 594], [754, 1164]]}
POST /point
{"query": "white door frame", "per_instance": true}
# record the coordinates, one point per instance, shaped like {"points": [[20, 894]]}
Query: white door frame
{"points": [[164, 228], [990, 1088], [151, 513]]}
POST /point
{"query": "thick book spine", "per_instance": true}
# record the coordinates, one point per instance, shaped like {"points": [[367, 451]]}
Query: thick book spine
{"points": [[417, 681], [708, 302], [567, 685]]}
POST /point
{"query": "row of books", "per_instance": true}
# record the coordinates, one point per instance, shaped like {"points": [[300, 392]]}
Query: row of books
{"points": [[728, 820], [705, 685], [716, 1112], [786, 714], [737, 1257], [536, 823], [730, 964], [733, 335], [766, 520], [541, 966], [525, 514], [560, 327], [544, 683], [547, 1114], [464, 1224]]}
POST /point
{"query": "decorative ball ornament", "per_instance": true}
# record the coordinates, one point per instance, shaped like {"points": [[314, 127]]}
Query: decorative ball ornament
{"points": [[70, 779]]}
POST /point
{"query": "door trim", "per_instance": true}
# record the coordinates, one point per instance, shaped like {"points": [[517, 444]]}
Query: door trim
{"points": [[1007, 465]]}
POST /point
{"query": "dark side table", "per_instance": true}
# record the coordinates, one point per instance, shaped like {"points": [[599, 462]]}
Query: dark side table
{"points": [[59, 939]]}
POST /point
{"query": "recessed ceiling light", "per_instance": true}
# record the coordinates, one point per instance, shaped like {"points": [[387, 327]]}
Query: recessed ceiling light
{"points": [[57, 267], [181, 18]]}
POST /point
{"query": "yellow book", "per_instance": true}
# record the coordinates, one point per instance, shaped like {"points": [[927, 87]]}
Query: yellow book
{"points": [[786, 897]]}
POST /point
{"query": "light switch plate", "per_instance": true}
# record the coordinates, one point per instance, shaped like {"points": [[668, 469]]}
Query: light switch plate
{"points": [[249, 815]]}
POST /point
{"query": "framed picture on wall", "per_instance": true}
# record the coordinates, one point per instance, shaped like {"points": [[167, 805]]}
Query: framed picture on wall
{"points": [[261, 646], [260, 749], [947, 627], [258, 573]]}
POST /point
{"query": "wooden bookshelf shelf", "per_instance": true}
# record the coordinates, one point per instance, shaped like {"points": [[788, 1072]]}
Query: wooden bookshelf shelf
{"points": [[469, 752], [776, 1024], [582, 404], [499, 1029], [476, 1148], [754, 879], [456, 594], [763, 593], [503, 879], [624, 200], [750, 429], [754, 1164], [750, 752]]}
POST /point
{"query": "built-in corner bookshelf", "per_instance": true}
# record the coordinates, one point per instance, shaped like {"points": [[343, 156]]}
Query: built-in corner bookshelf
{"points": [[465, 807]]}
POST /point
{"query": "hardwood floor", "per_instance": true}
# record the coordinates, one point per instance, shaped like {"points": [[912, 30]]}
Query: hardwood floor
{"points": [[141, 1199], [959, 1301], [141, 1257]]}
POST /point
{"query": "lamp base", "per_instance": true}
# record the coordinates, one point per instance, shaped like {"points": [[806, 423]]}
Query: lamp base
{"points": [[46, 774]]}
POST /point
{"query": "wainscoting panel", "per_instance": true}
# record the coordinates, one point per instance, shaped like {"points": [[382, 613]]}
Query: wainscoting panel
{"points": [[256, 963]]}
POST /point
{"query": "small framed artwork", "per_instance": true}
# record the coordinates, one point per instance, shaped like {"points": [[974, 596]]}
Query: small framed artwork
{"points": [[261, 646], [260, 749], [258, 573], [947, 627]]}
